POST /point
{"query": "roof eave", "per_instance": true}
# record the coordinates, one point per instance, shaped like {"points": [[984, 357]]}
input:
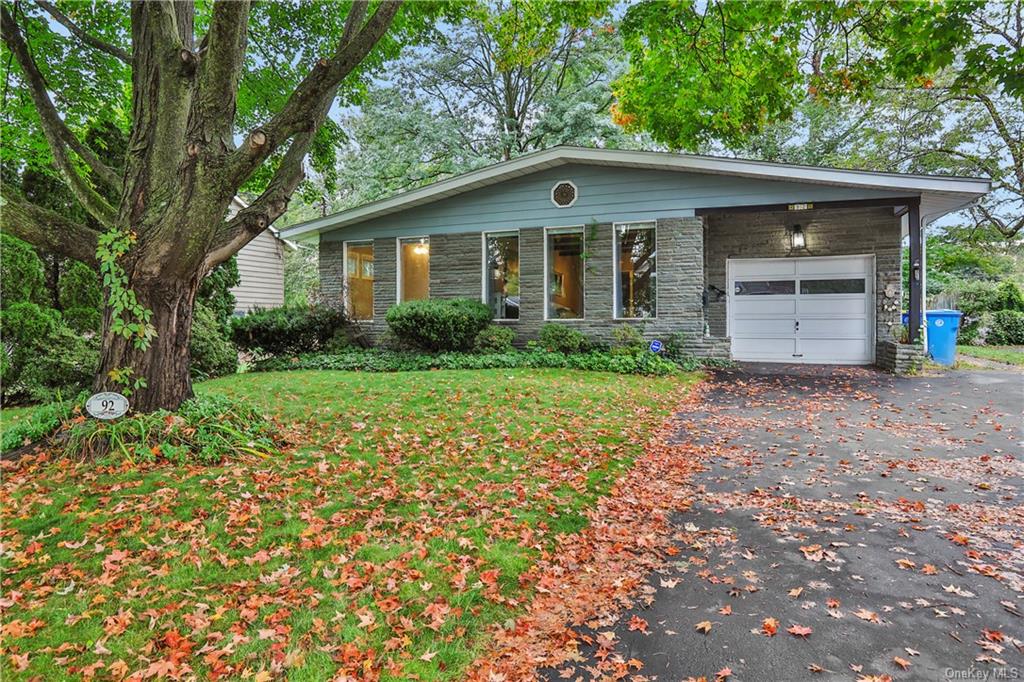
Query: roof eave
{"points": [[969, 188]]}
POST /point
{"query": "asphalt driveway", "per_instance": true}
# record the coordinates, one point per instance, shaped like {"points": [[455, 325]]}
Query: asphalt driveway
{"points": [[849, 525]]}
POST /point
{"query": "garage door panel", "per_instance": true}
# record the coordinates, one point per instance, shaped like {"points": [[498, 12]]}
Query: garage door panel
{"points": [[832, 301], [764, 305], [826, 350], [829, 305], [781, 349], [753, 268], [851, 328], [831, 266], [753, 328]]}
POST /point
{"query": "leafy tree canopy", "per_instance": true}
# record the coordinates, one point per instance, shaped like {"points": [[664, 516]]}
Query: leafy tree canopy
{"points": [[721, 71]]}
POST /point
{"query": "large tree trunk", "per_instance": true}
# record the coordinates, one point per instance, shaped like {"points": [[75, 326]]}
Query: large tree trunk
{"points": [[165, 363]]}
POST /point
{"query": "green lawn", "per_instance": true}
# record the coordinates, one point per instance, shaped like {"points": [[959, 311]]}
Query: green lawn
{"points": [[396, 534], [11, 415], [1013, 355]]}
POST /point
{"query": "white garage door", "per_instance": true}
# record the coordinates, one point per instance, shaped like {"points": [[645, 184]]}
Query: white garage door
{"points": [[802, 309]]}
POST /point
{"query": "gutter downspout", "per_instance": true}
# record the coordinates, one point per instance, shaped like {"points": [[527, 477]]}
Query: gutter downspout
{"points": [[924, 284]]}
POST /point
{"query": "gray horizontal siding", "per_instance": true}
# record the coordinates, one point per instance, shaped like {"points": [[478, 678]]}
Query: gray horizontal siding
{"points": [[261, 269], [606, 194]]}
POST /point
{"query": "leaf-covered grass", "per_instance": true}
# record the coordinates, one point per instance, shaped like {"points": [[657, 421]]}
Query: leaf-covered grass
{"points": [[1012, 355], [394, 536]]}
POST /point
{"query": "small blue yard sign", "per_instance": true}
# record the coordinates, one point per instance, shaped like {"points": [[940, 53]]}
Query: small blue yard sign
{"points": [[656, 346]]}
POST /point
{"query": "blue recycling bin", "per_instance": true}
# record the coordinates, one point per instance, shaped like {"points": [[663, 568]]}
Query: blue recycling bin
{"points": [[943, 326]]}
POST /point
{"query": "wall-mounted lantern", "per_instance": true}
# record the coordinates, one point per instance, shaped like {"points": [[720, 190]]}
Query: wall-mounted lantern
{"points": [[797, 237]]}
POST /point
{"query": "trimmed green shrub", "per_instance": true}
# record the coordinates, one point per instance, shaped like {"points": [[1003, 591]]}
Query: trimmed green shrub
{"points": [[974, 299], [81, 297], [1007, 329], [64, 367], [43, 357], [26, 323], [21, 273], [627, 340], [439, 324], [83, 319], [211, 351], [25, 328], [494, 338], [1008, 296], [560, 338], [286, 330]]}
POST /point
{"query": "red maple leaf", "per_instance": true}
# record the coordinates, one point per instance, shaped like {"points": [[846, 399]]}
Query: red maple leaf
{"points": [[638, 623]]}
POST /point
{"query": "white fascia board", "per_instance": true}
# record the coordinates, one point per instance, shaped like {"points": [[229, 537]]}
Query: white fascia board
{"points": [[966, 189], [778, 171]]}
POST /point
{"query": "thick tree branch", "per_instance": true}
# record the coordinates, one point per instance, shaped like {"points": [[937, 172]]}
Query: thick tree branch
{"points": [[221, 68], [58, 136], [1007, 229], [267, 208], [319, 85], [47, 229], [163, 72], [82, 34]]}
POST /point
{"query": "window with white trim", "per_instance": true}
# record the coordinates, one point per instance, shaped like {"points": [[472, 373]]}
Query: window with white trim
{"points": [[359, 280], [413, 269], [501, 274], [636, 270], [564, 279]]}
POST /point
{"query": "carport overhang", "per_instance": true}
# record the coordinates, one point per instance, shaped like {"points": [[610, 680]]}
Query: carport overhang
{"points": [[916, 212]]}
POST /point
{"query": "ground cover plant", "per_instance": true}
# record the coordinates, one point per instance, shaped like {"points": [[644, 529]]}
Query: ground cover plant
{"points": [[23, 426], [382, 360], [400, 526]]}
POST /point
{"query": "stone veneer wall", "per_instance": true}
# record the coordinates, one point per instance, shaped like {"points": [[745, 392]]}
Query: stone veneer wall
{"points": [[456, 262], [828, 232], [899, 358]]}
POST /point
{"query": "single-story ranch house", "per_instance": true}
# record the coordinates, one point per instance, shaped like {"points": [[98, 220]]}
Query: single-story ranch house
{"points": [[757, 261]]}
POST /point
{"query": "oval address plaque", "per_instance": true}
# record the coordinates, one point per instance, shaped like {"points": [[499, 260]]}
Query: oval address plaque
{"points": [[106, 405]]}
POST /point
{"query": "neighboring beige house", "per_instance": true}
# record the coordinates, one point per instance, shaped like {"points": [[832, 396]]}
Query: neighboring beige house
{"points": [[261, 269]]}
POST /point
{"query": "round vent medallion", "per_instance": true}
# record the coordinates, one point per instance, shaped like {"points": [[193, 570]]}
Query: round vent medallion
{"points": [[564, 194]]}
